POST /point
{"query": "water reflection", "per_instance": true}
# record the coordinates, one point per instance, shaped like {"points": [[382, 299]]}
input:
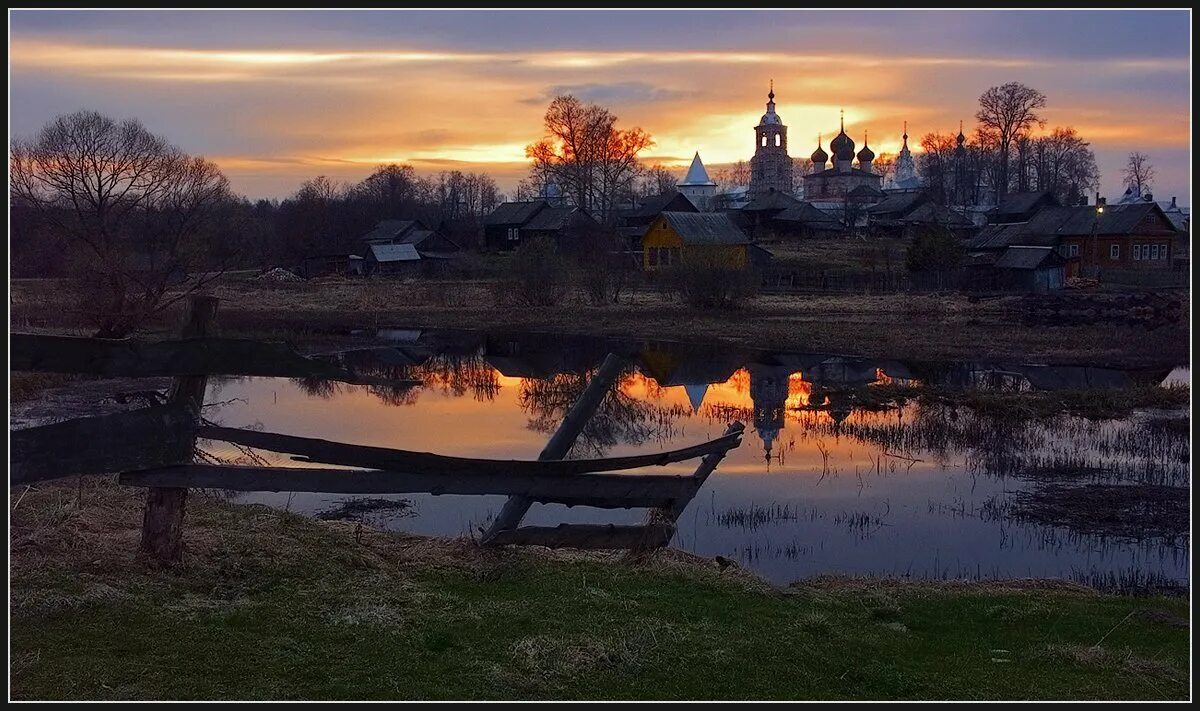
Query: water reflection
{"points": [[832, 475]]}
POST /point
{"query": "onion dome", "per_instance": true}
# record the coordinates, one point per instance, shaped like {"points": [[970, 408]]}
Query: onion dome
{"points": [[819, 156], [842, 145], [960, 137], [866, 155]]}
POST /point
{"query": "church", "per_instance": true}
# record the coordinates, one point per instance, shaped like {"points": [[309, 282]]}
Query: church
{"points": [[843, 182]]}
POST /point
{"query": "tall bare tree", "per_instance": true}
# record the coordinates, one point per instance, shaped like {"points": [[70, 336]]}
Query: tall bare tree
{"points": [[1138, 173], [1063, 163], [656, 180], [587, 156], [138, 212], [1006, 114]]}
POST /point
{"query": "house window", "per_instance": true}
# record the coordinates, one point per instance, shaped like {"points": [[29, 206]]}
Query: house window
{"points": [[513, 234], [1073, 250], [1137, 252], [1114, 252], [653, 256], [1155, 250]]}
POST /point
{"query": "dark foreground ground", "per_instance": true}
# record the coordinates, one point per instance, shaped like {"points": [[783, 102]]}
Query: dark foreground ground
{"points": [[1105, 328], [268, 605]]}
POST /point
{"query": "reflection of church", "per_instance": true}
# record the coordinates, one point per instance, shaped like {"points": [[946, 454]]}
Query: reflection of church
{"points": [[769, 393]]}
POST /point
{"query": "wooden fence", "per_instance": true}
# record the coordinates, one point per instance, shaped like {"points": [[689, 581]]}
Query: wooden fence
{"points": [[154, 447]]}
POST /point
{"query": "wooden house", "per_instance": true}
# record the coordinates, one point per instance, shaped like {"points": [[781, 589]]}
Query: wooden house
{"points": [[512, 223], [673, 236], [636, 219]]}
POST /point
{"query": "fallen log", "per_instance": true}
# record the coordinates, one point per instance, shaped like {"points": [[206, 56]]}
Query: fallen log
{"points": [[617, 490], [353, 455]]}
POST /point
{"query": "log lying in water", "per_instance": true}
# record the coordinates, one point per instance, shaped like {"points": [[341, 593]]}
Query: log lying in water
{"points": [[128, 357], [353, 455], [613, 490]]}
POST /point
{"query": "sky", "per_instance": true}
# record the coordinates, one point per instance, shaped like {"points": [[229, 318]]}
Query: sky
{"points": [[277, 97]]}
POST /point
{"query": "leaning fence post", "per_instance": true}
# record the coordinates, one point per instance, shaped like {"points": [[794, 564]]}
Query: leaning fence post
{"points": [[162, 521], [561, 441]]}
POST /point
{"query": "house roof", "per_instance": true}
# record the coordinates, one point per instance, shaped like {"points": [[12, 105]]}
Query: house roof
{"points": [[929, 212], [698, 228], [394, 253], [651, 205], [771, 201], [1021, 203], [696, 174], [388, 230], [417, 237], [900, 203], [514, 213], [1022, 257], [809, 214], [551, 218], [865, 190], [1115, 220]]}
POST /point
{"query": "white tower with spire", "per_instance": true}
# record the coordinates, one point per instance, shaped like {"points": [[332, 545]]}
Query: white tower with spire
{"points": [[906, 169], [697, 186]]}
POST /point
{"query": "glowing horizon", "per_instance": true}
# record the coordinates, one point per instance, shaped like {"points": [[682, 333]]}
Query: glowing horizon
{"points": [[277, 98]]}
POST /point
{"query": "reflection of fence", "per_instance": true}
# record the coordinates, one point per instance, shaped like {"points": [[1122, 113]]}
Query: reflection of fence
{"points": [[154, 447]]}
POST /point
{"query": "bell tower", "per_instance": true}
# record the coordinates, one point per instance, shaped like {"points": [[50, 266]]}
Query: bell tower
{"points": [[771, 167]]}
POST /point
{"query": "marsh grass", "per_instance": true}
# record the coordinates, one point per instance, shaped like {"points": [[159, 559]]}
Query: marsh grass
{"points": [[320, 612]]}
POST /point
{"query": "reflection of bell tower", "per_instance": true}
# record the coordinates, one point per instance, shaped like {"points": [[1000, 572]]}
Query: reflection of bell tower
{"points": [[768, 392]]}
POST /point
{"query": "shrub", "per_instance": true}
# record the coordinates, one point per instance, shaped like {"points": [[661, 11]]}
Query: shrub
{"points": [[709, 279], [535, 275]]}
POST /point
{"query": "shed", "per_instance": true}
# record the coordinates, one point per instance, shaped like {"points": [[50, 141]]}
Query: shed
{"points": [[391, 259], [1031, 268]]}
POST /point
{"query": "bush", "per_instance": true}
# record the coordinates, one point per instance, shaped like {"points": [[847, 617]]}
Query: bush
{"points": [[710, 280], [535, 275]]}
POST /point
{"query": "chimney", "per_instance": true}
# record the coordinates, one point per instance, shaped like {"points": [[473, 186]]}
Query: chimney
{"points": [[1173, 207], [1148, 197]]}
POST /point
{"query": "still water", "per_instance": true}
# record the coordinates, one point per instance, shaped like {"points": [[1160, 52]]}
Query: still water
{"points": [[824, 482]]}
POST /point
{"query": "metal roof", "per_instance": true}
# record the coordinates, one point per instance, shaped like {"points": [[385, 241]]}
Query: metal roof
{"points": [[550, 218], [394, 253], [386, 230], [696, 174], [697, 228]]}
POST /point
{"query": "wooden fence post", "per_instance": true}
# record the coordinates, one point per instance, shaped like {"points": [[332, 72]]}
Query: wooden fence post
{"points": [[561, 441], [162, 521]]}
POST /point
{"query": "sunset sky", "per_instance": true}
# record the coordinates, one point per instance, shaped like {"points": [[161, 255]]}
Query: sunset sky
{"points": [[275, 97]]}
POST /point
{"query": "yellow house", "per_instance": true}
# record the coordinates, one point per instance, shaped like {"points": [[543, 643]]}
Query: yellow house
{"points": [[676, 236]]}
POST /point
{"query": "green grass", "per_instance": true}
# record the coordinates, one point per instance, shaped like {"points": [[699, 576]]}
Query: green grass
{"points": [[272, 606]]}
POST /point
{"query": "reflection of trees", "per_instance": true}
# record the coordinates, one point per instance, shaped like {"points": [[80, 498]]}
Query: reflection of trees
{"points": [[458, 375], [450, 374], [318, 387], [620, 419]]}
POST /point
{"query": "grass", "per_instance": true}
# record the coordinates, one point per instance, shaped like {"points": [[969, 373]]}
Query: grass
{"points": [[268, 605]]}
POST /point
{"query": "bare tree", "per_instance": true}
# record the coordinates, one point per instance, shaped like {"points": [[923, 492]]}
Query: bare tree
{"points": [[591, 160], [1064, 164], [936, 165], [1138, 173], [138, 211], [656, 180], [884, 166], [736, 175], [1006, 113]]}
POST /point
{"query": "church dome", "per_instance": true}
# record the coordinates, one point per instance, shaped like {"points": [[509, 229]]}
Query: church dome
{"points": [[842, 147], [819, 156], [771, 118], [866, 155]]}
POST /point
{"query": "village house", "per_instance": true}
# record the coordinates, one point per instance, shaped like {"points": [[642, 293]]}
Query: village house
{"points": [[673, 236], [1092, 238], [636, 219], [512, 223], [426, 241], [1019, 268]]}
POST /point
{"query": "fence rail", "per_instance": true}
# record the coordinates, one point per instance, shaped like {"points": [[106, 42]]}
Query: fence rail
{"points": [[154, 447]]}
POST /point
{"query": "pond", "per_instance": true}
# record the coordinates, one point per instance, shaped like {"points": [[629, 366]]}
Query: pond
{"points": [[826, 480]]}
